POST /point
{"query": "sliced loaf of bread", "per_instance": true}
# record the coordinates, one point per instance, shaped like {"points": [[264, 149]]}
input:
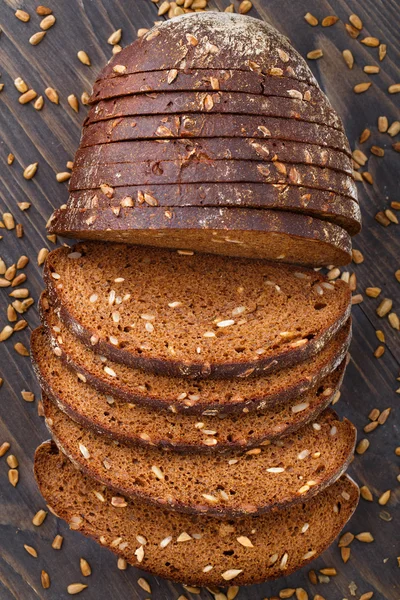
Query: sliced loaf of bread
{"points": [[205, 397], [233, 484], [185, 548], [321, 204], [193, 315], [137, 424]]}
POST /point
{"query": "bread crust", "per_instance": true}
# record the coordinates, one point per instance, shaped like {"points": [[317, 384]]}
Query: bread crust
{"points": [[220, 171], [250, 233], [212, 41], [213, 103], [320, 204], [267, 150], [200, 125], [206, 80]]}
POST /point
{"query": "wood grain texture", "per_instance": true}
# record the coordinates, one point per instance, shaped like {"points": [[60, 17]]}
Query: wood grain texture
{"points": [[51, 137]]}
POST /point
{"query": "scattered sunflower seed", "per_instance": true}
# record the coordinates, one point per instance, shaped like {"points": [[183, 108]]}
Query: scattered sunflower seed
{"points": [[36, 38], [75, 588], [84, 58], [315, 54]]}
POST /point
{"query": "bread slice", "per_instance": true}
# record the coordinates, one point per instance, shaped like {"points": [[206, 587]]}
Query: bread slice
{"points": [[212, 41], [218, 102], [249, 233], [327, 206], [206, 397], [200, 125], [206, 80], [267, 150], [156, 308], [221, 171], [137, 424], [281, 541], [229, 485]]}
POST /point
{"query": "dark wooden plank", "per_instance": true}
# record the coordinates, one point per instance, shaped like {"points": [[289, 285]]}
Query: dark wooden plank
{"points": [[51, 137]]}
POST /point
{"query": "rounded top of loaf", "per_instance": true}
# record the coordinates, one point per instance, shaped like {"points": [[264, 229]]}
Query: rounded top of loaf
{"points": [[212, 40]]}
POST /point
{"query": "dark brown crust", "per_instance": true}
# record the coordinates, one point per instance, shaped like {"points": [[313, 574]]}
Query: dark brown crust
{"points": [[132, 488], [249, 82], [216, 41], [122, 391], [267, 150], [213, 102], [221, 171], [240, 232], [47, 454], [199, 125], [319, 204], [162, 424]]}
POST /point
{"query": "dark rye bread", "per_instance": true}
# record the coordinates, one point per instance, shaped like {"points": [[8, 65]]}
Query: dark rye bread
{"points": [[199, 125], [213, 149], [205, 397], [136, 424], [239, 232], [229, 485], [212, 41], [320, 204], [220, 171], [281, 541], [206, 80], [281, 314], [215, 102]]}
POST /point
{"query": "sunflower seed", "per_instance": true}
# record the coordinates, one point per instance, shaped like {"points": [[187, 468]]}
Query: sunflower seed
{"points": [[30, 550], [311, 20], [362, 87], [365, 537], [39, 518], [84, 58], [348, 58], [394, 89], [85, 567], [45, 580], [36, 38], [47, 22], [244, 7], [372, 42], [329, 21], [315, 54], [22, 15], [75, 588]]}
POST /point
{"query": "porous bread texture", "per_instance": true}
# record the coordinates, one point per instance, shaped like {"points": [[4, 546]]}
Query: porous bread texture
{"points": [[232, 484], [136, 424], [257, 316], [268, 150], [200, 125], [212, 40], [147, 537], [320, 204], [188, 80], [221, 171], [216, 102], [205, 397]]}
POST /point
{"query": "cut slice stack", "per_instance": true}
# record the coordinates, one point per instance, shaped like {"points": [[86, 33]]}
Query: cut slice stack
{"points": [[211, 134], [187, 397]]}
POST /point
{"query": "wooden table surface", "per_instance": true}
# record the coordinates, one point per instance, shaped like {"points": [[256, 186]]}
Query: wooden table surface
{"points": [[50, 138]]}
